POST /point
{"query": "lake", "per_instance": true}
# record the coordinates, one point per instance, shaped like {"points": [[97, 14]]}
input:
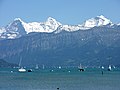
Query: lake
{"points": [[59, 79]]}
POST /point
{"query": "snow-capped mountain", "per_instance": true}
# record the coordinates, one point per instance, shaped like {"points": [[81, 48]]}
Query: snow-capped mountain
{"points": [[97, 21], [49, 26], [90, 43], [13, 30], [19, 28]]}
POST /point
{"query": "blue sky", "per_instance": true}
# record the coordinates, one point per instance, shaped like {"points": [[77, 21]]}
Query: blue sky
{"points": [[65, 11]]}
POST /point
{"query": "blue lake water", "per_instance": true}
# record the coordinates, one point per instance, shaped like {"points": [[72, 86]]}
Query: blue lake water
{"points": [[64, 79]]}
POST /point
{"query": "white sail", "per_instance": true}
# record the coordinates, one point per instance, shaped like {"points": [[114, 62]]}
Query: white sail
{"points": [[36, 67], [110, 67], [102, 67]]}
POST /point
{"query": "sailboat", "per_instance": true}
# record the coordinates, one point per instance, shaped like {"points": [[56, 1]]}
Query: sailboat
{"points": [[109, 68], [102, 67], [43, 66], [21, 69], [81, 68], [36, 67]]}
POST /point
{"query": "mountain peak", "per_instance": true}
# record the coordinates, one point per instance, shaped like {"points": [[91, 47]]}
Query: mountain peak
{"points": [[18, 19], [52, 23], [101, 16], [106, 21], [97, 21], [51, 20]]}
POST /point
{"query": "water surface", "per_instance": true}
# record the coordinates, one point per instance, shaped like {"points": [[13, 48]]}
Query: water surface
{"points": [[64, 79]]}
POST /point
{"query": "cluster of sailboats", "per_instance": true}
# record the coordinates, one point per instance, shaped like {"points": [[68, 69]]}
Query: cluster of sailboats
{"points": [[22, 69], [80, 68], [110, 67]]}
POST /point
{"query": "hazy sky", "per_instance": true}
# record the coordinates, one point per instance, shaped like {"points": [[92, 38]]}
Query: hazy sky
{"points": [[65, 11]]}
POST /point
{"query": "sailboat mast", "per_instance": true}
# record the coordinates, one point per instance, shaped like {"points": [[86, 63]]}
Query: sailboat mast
{"points": [[20, 62]]}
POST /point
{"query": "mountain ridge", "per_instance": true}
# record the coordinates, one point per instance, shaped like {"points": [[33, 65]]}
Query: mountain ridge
{"points": [[19, 28]]}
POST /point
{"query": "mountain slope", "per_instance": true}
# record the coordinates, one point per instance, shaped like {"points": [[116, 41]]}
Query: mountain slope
{"points": [[90, 47], [4, 64]]}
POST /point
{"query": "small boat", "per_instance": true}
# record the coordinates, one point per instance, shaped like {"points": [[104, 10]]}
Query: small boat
{"points": [[109, 68], [22, 69], [29, 70], [81, 68]]}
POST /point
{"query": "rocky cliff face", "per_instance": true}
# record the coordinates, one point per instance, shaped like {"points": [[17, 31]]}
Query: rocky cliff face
{"points": [[90, 47]]}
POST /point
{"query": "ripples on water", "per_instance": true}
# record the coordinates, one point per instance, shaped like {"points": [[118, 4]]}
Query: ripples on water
{"points": [[63, 79]]}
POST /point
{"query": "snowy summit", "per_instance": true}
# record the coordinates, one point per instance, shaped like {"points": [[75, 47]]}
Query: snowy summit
{"points": [[97, 21]]}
